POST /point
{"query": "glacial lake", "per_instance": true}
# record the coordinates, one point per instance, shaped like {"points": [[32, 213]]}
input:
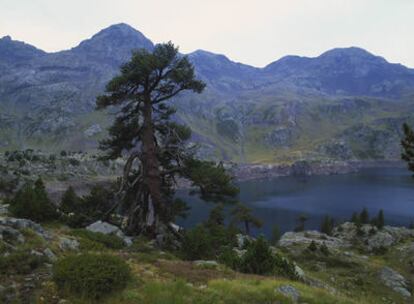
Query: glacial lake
{"points": [[282, 200]]}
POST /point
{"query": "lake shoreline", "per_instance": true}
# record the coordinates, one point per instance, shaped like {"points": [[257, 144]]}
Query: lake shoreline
{"points": [[246, 172]]}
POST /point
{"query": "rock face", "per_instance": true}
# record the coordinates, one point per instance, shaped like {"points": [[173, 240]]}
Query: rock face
{"points": [[290, 292], [347, 234], [93, 130], [106, 228], [68, 244], [370, 237], [306, 237], [395, 281], [23, 224], [313, 106]]}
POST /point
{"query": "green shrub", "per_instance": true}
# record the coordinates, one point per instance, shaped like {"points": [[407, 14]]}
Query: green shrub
{"points": [[20, 262], [108, 240], [196, 244], [312, 246], [74, 162], [259, 259], [229, 258], [324, 249], [275, 234], [207, 240], [79, 212], [90, 275], [33, 203], [327, 225]]}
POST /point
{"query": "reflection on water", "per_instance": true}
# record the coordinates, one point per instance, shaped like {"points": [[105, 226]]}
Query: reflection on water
{"points": [[281, 200]]}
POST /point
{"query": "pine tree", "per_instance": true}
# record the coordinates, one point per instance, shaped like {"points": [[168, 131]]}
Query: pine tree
{"points": [[355, 218], [327, 225], [243, 214], [364, 216], [154, 145], [275, 234], [380, 221], [301, 223], [33, 203], [70, 201], [407, 144]]}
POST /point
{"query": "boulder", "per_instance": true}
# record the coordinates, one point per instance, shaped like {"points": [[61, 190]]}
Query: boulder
{"points": [[206, 264], [19, 224], [371, 237], [4, 209], [306, 237], [49, 254], [395, 281], [68, 244], [106, 228], [11, 235], [93, 130], [290, 292]]}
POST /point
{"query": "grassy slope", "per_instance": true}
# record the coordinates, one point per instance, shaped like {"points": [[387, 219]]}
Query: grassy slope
{"points": [[162, 278]]}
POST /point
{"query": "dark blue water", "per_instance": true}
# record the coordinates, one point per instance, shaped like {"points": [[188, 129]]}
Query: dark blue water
{"points": [[282, 200]]}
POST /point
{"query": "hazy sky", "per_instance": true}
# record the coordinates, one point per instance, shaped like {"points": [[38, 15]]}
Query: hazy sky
{"points": [[254, 32]]}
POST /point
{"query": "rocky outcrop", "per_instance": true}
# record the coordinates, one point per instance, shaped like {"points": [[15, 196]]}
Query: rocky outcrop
{"points": [[395, 281], [306, 237], [106, 228], [348, 234], [290, 292], [19, 224]]}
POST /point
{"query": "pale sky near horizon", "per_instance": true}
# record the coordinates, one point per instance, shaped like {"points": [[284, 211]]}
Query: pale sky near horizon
{"points": [[252, 32]]}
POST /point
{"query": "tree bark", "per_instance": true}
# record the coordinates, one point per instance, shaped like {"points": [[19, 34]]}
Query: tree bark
{"points": [[152, 175]]}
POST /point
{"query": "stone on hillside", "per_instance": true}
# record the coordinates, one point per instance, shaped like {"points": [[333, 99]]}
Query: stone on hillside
{"points": [[242, 239], [206, 264], [12, 235], [106, 228], [371, 237], [306, 237], [49, 254], [19, 224], [68, 244], [299, 272], [395, 281], [93, 130], [4, 209], [290, 292]]}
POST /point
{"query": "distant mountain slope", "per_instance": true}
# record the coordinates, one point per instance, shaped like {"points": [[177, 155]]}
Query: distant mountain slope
{"points": [[343, 104]]}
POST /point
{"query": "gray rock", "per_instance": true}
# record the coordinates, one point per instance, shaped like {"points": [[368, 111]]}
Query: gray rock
{"points": [[242, 239], [106, 228], [50, 255], [306, 237], [9, 234], [19, 224], [290, 292], [299, 272], [93, 130], [36, 253], [206, 264], [68, 244], [395, 281], [4, 209]]}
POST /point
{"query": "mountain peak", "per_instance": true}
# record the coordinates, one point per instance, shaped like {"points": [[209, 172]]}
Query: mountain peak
{"points": [[115, 41], [6, 38], [351, 52], [119, 28], [13, 51]]}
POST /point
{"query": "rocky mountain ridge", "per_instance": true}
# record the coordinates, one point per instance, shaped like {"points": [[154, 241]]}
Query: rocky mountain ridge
{"points": [[295, 108]]}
